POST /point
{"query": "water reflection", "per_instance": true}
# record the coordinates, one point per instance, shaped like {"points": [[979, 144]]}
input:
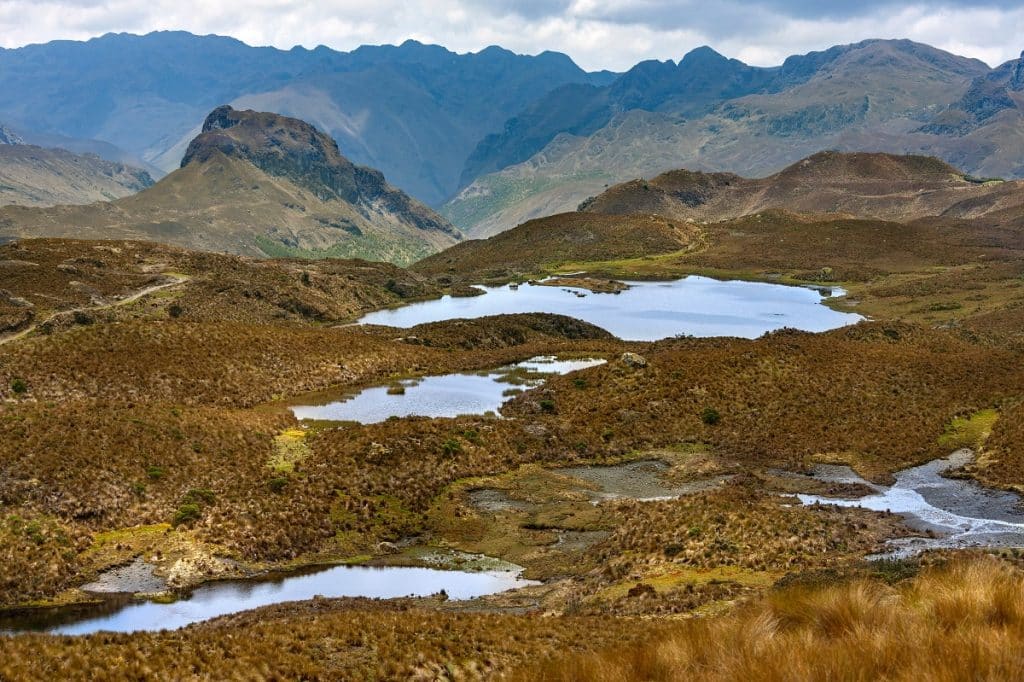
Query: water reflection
{"points": [[647, 311], [221, 598], [449, 395]]}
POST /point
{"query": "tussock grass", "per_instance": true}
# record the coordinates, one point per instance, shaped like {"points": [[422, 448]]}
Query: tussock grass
{"points": [[964, 621]]}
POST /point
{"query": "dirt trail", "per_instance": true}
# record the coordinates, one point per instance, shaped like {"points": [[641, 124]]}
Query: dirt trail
{"points": [[177, 279]]}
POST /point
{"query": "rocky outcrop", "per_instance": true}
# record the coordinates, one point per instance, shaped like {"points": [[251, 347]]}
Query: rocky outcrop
{"points": [[8, 136], [293, 149]]}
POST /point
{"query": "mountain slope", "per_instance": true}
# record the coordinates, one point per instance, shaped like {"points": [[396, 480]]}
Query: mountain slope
{"points": [[34, 176], [414, 111], [873, 96], [865, 185], [558, 239], [257, 184]]}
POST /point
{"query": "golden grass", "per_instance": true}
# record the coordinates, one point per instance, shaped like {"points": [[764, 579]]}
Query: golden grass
{"points": [[963, 622]]}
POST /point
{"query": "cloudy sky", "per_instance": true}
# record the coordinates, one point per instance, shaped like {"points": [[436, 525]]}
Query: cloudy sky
{"points": [[609, 34]]}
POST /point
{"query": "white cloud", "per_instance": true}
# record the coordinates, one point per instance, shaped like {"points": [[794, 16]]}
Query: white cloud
{"points": [[612, 34]]}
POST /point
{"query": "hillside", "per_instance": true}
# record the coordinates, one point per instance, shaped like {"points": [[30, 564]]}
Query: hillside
{"points": [[414, 111], [557, 239], [258, 184], [867, 185], [35, 176], [871, 96]]}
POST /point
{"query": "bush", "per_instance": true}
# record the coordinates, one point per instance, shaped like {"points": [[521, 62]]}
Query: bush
{"points": [[187, 513], [175, 310], [154, 472], [548, 406], [451, 447], [277, 484], [710, 416], [19, 386]]}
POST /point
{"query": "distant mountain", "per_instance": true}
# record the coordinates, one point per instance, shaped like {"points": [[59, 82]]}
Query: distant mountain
{"points": [[414, 111], [35, 176], [861, 185], [872, 96], [998, 92], [257, 184]]}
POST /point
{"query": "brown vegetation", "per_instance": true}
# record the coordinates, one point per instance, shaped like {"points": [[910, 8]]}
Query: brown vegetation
{"points": [[961, 622], [566, 237]]}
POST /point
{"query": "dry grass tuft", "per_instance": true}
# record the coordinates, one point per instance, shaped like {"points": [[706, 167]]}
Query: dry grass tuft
{"points": [[964, 621]]}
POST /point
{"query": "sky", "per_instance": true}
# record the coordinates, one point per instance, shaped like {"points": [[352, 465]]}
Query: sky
{"points": [[597, 34]]}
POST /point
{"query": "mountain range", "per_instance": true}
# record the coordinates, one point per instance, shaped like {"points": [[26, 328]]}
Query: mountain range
{"points": [[492, 139], [892, 96], [257, 184], [414, 111]]}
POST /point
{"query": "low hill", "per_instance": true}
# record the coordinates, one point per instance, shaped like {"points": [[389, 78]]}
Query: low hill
{"points": [[562, 238], [867, 185], [257, 184], [36, 176]]}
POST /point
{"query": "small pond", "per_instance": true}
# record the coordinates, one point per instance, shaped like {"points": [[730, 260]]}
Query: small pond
{"points": [[647, 311], [958, 513], [226, 597], [448, 395]]}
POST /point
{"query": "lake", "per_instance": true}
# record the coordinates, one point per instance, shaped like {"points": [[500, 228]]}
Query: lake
{"points": [[448, 395], [647, 311], [225, 597]]}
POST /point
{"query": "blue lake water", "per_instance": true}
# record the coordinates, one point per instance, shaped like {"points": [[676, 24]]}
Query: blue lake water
{"points": [[647, 311], [448, 395], [222, 598]]}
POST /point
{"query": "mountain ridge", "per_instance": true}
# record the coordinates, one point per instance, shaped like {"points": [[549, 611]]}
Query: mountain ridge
{"points": [[257, 184]]}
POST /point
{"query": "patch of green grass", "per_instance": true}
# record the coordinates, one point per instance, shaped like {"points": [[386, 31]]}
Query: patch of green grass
{"points": [[970, 431]]}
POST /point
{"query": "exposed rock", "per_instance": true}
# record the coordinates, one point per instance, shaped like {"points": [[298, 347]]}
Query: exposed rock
{"points": [[8, 136], [634, 360]]}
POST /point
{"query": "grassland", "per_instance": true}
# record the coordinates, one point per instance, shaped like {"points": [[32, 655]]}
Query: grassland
{"points": [[175, 445]]}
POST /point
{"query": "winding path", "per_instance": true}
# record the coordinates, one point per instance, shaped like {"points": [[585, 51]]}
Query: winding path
{"points": [[176, 280]]}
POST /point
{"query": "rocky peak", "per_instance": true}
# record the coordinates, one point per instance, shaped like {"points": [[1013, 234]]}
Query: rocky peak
{"points": [[295, 150], [8, 136]]}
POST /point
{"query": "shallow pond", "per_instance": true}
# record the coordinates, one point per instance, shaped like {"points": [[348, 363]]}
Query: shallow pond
{"points": [[647, 311], [222, 598], [448, 395], [959, 512]]}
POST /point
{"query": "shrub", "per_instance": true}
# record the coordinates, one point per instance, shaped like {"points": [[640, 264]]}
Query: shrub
{"points": [[710, 416], [277, 484], [19, 386], [154, 472], [175, 310], [187, 513], [451, 447], [547, 405], [199, 496]]}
